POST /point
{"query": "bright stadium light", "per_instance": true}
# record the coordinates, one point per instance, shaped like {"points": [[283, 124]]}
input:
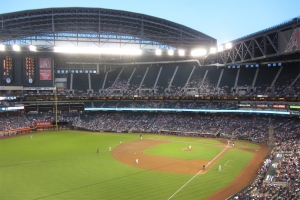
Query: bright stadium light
{"points": [[220, 48], [213, 50], [96, 50], [119, 51], [181, 52], [2, 47], [65, 50], [228, 45], [198, 52], [158, 52], [32, 48], [170, 52], [16, 47]]}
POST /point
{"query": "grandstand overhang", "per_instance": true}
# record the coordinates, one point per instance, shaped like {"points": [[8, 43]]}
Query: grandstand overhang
{"points": [[280, 43]]}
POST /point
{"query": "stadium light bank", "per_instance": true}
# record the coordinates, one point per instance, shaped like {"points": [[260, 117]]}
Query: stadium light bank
{"points": [[16, 47], [212, 50], [95, 50], [198, 52], [2, 47]]}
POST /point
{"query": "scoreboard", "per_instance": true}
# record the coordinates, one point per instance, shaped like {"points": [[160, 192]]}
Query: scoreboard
{"points": [[30, 69], [8, 69]]}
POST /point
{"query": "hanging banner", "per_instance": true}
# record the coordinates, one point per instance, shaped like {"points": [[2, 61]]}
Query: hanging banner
{"points": [[45, 69]]}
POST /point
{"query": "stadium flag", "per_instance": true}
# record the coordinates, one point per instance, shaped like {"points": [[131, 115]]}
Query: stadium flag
{"points": [[45, 69]]}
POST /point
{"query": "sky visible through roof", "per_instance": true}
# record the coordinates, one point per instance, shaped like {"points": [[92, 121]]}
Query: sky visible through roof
{"points": [[224, 20]]}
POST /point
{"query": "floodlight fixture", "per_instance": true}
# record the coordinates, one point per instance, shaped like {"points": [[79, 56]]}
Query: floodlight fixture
{"points": [[158, 52], [96, 50], [32, 48], [213, 50], [16, 47], [181, 52], [2, 47], [220, 48], [228, 45], [198, 52], [170, 52]]}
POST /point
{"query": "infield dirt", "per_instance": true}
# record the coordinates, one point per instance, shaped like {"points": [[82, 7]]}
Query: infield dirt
{"points": [[128, 152]]}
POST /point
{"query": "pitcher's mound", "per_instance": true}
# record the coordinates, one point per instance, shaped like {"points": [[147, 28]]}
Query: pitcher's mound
{"points": [[187, 149]]}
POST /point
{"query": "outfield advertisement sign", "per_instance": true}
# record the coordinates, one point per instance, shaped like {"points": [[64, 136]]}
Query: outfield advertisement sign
{"points": [[295, 107], [12, 108], [188, 110], [43, 123]]}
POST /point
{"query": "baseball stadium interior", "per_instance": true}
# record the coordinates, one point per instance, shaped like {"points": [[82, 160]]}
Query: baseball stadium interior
{"points": [[116, 71]]}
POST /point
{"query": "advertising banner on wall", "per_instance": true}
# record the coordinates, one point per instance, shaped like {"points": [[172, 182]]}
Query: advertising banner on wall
{"points": [[45, 69], [43, 123], [289, 41]]}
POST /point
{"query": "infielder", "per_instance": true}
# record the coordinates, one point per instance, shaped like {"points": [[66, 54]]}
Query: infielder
{"points": [[137, 161]]}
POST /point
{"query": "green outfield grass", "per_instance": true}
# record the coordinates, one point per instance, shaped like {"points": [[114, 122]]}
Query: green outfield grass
{"points": [[174, 150], [246, 145], [64, 165]]}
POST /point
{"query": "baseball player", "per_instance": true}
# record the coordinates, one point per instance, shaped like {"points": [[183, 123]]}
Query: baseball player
{"points": [[137, 161], [220, 168], [109, 148]]}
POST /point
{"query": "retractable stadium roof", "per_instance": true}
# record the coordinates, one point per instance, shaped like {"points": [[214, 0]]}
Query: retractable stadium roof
{"points": [[48, 27]]}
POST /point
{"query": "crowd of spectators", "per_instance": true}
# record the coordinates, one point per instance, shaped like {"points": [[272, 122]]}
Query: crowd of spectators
{"points": [[173, 104], [286, 183], [12, 125], [203, 86], [9, 125], [225, 126], [121, 87]]}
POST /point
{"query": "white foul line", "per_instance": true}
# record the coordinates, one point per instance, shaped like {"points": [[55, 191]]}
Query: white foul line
{"points": [[196, 175], [227, 162]]}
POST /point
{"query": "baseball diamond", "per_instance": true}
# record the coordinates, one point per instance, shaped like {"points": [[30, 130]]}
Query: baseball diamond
{"points": [[152, 164]]}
